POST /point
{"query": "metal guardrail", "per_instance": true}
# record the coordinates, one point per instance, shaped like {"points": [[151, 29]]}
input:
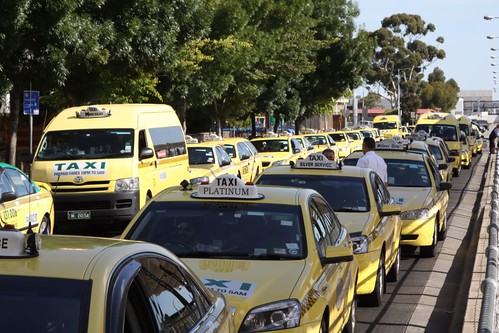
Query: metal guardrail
{"points": [[489, 313]]}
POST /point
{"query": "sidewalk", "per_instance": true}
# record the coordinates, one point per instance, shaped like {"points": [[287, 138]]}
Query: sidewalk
{"points": [[473, 309]]}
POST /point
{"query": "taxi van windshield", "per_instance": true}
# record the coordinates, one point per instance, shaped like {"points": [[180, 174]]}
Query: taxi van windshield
{"points": [[84, 144], [446, 132], [385, 125], [238, 230], [38, 304], [344, 194]]}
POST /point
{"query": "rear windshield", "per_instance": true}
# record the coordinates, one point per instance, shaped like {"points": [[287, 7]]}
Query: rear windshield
{"points": [[35, 304], [344, 194], [446, 132]]}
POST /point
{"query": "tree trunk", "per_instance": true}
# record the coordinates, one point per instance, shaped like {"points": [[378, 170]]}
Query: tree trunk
{"points": [[183, 115], [15, 104]]}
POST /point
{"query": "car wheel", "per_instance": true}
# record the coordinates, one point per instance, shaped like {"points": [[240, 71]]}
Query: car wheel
{"points": [[374, 299], [442, 234], [430, 251], [323, 328], [44, 228], [393, 273], [352, 319]]}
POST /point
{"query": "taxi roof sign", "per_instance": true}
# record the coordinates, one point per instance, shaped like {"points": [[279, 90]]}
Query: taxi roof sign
{"points": [[16, 244], [390, 144], [227, 186], [93, 111], [316, 161]]}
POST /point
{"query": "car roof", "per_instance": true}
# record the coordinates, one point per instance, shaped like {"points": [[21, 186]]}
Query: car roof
{"points": [[75, 257]]}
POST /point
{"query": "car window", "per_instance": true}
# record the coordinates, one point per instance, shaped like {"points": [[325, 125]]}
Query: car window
{"points": [[243, 150], [251, 147], [201, 155], [222, 156], [408, 173], [344, 194], [326, 227], [174, 300], [230, 149], [436, 152], [20, 182]]}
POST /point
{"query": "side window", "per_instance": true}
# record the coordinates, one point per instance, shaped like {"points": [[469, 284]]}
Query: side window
{"points": [[5, 184], [326, 226], [168, 141], [436, 174], [174, 300], [243, 150], [21, 183], [142, 140], [222, 156]]}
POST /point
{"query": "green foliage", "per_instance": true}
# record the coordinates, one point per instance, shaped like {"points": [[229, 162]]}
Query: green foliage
{"points": [[439, 94]]}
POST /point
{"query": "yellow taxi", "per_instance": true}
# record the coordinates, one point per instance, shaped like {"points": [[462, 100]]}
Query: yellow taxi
{"points": [[345, 146], [279, 255], [370, 132], [416, 184], [363, 205], [322, 141], [307, 145], [25, 201], [246, 157], [278, 150], [475, 130], [441, 152], [356, 138], [466, 151], [207, 160], [87, 284]]}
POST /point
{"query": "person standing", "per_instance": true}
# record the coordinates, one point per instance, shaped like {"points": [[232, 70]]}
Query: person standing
{"points": [[373, 160], [492, 139]]}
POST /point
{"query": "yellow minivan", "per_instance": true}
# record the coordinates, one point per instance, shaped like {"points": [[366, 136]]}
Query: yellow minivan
{"points": [[466, 127], [103, 162], [445, 126], [388, 125]]}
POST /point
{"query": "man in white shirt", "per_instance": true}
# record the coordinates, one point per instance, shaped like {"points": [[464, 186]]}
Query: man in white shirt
{"points": [[373, 160]]}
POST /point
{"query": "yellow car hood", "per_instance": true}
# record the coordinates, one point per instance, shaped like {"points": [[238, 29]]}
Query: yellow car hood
{"points": [[247, 283], [411, 198], [357, 222]]}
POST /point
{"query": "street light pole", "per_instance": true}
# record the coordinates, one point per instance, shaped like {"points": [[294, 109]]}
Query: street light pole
{"points": [[399, 112]]}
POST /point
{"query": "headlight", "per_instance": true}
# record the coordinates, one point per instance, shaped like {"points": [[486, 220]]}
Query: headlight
{"points": [[360, 244], [273, 316], [279, 162], [415, 214], [127, 184], [198, 180]]}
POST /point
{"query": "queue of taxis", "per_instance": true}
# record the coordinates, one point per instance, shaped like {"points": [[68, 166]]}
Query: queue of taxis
{"points": [[356, 138], [278, 150], [416, 184], [55, 283], [207, 160], [246, 157], [25, 203], [345, 146], [363, 205], [279, 255]]}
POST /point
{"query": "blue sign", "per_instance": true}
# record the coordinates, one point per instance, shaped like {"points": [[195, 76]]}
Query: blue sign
{"points": [[31, 102]]}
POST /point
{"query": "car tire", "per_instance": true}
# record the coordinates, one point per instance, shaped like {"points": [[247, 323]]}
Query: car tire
{"points": [[374, 299], [442, 234], [323, 328], [393, 273], [44, 228], [430, 251], [352, 318]]}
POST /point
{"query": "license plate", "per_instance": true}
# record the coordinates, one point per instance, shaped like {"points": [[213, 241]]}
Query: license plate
{"points": [[79, 215]]}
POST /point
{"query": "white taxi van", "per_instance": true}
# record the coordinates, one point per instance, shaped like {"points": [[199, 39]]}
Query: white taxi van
{"points": [[445, 126], [363, 205], [87, 284], [103, 162], [279, 255], [417, 186]]}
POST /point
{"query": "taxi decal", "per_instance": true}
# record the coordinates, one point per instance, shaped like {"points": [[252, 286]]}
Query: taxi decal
{"points": [[309, 301], [400, 201], [236, 288], [319, 288], [86, 168], [223, 266]]}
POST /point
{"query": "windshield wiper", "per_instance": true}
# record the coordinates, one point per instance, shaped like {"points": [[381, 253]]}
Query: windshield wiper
{"points": [[272, 256]]}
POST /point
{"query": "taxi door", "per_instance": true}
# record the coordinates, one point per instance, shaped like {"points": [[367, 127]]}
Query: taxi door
{"points": [[390, 226], [336, 281], [246, 160]]}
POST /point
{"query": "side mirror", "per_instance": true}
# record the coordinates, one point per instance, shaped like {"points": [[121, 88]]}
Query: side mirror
{"points": [[442, 166], [8, 196], [244, 157], [336, 254], [297, 150], [389, 210], [444, 186], [146, 153], [451, 159]]}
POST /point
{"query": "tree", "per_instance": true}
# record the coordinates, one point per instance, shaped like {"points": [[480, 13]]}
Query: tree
{"points": [[438, 93], [400, 56]]}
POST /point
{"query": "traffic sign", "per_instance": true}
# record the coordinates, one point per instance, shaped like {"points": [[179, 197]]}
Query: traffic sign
{"points": [[31, 102]]}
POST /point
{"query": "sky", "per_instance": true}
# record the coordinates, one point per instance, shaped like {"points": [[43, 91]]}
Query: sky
{"points": [[461, 23]]}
